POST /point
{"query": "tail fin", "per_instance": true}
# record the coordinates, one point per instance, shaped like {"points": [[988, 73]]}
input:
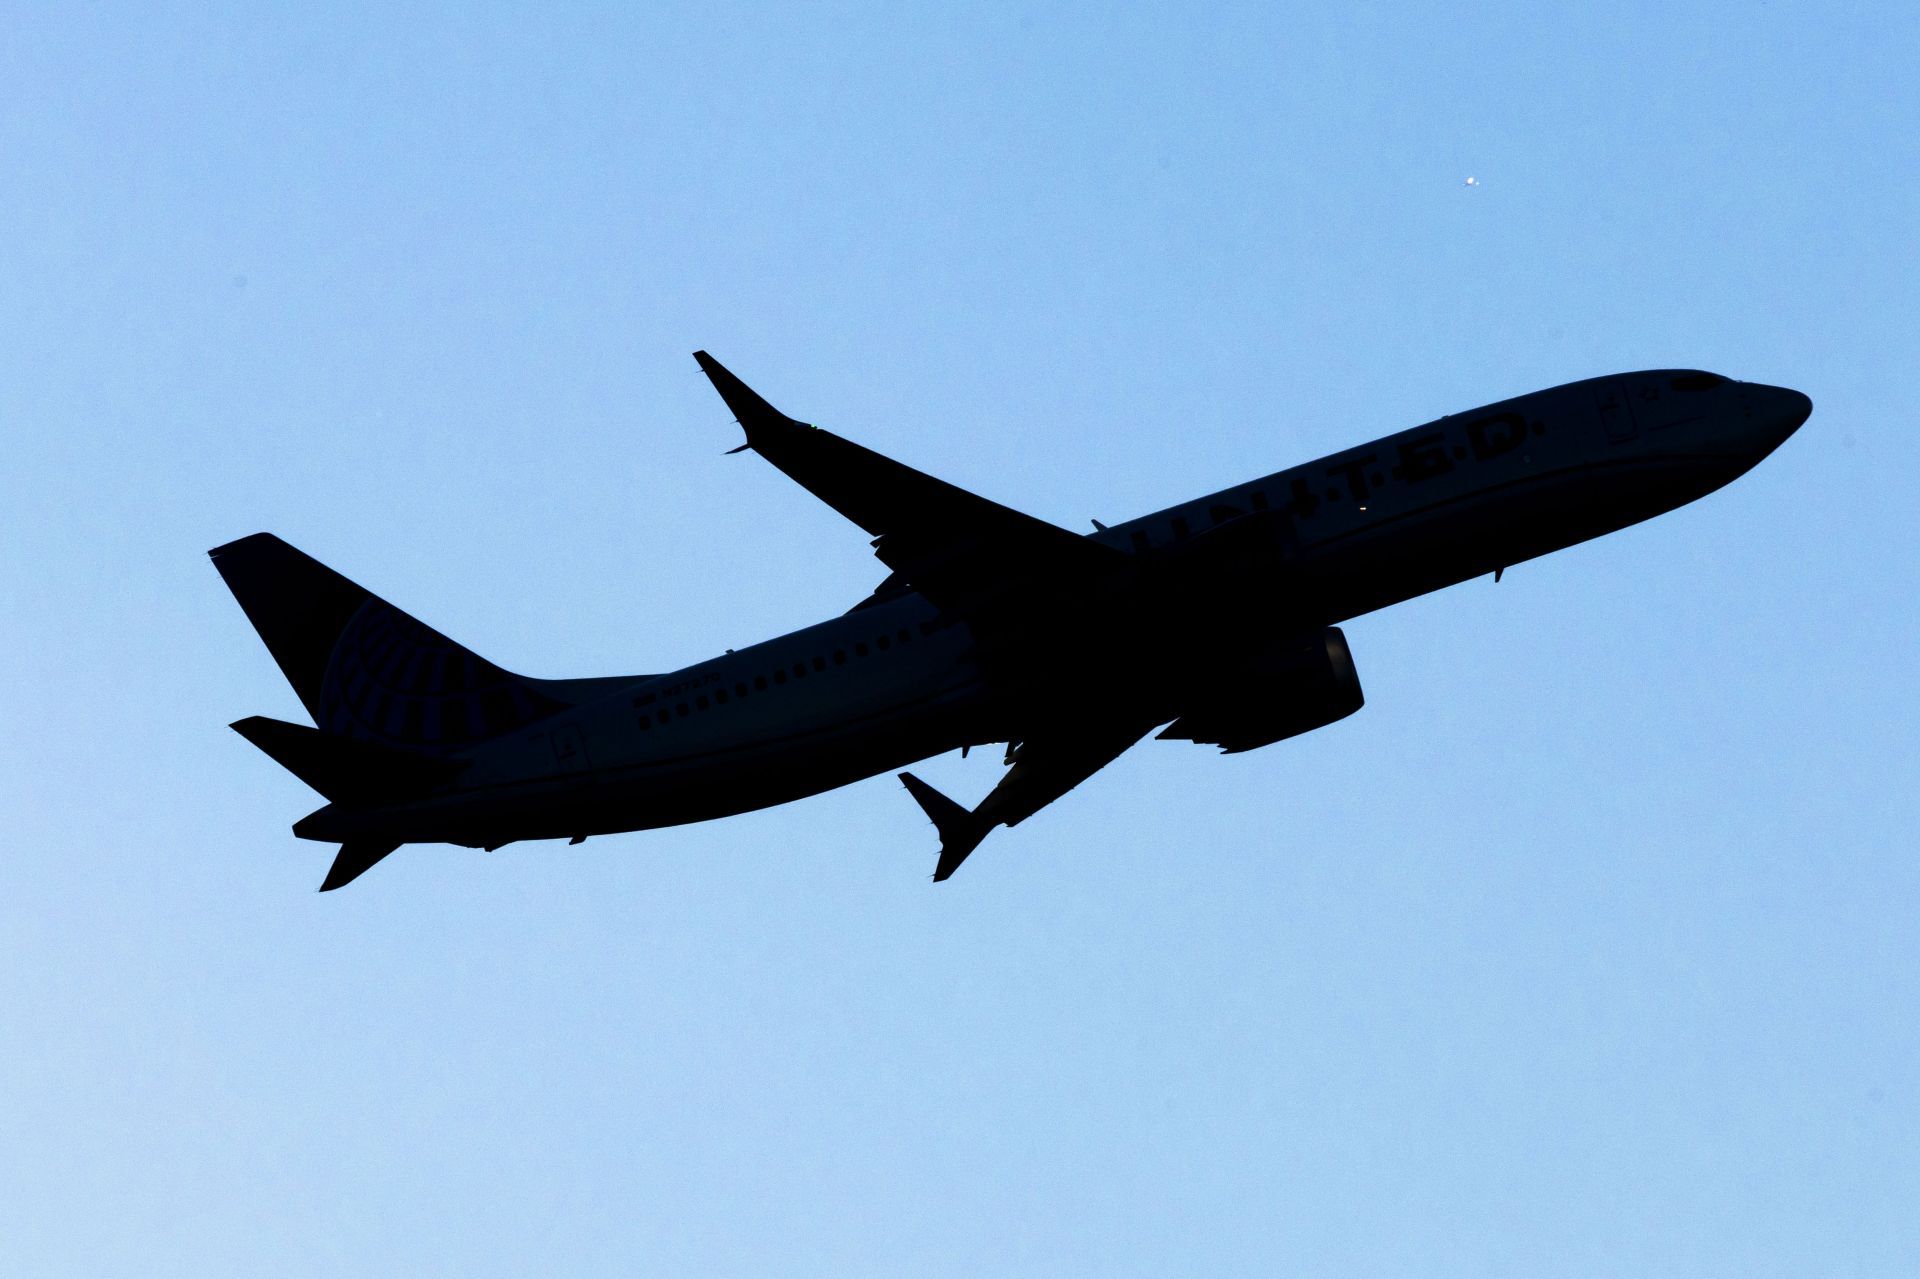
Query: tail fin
{"points": [[366, 670], [345, 769]]}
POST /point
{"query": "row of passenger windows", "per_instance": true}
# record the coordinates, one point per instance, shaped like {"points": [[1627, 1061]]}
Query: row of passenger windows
{"points": [[651, 711]]}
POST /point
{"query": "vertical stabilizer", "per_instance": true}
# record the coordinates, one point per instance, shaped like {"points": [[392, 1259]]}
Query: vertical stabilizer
{"points": [[366, 670]]}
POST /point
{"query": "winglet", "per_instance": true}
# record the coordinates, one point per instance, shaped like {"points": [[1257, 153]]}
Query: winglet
{"points": [[960, 830], [356, 858], [752, 412]]}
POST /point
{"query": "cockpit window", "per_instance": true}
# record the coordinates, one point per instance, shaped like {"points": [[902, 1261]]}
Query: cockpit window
{"points": [[1697, 382]]}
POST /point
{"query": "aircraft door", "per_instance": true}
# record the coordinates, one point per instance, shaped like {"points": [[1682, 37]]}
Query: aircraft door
{"points": [[568, 749], [1655, 410], [1616, 413]]}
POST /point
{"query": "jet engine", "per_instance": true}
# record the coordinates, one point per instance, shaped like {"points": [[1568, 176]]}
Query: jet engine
{"points": [[1291, 689]]}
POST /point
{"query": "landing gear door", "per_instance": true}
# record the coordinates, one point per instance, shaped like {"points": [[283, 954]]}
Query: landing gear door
{"points": [[1616, 414]]}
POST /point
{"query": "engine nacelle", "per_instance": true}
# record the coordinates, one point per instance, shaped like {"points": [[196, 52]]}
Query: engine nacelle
{"points": [[1292, 689]]}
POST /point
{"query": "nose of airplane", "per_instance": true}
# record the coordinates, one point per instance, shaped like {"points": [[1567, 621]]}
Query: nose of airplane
{"points": [[1778, 412]]}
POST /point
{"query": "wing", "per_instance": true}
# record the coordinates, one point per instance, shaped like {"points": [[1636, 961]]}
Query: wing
{"points": [[950, 545], [1044, 769]]}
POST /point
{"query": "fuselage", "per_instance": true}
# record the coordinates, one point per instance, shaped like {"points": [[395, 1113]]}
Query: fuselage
{"points": [[896, 680]]}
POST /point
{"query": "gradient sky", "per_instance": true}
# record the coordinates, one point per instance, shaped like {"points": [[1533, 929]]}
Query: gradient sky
{"points": [[1591, 946]]}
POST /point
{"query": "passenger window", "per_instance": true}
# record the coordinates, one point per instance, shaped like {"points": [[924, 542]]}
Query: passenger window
{"points": [[839, 657], [859, 650], [760, 683], [799, 670], [779, 677], [819, 663], [883, 643]]}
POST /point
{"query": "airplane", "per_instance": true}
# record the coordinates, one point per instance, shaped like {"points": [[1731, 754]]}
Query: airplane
{"points": [[1215, 621]]}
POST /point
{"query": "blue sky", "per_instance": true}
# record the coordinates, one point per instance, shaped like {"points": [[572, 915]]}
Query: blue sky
{"points": [[1588, 947]]}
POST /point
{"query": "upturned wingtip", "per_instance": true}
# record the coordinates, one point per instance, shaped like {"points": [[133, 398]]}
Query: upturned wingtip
{"points": [[355, 859], [960, 830], [750, 409]]}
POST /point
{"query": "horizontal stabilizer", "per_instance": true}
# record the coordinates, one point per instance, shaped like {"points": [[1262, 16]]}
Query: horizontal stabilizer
{"points": [[346, 769], [356, 858], [960, 830]]}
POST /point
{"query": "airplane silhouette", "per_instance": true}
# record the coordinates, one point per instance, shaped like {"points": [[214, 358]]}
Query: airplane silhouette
{"points": [[1217, 619]]}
